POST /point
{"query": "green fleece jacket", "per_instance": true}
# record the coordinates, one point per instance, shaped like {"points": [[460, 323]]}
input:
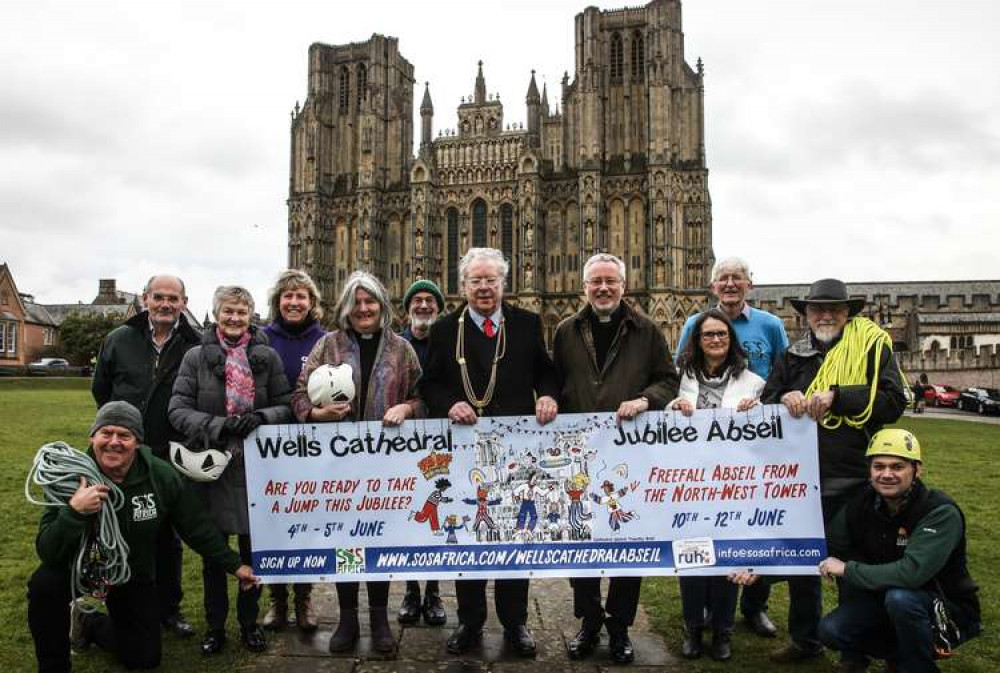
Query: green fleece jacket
{"points": [[155, 495], [928, 548]]}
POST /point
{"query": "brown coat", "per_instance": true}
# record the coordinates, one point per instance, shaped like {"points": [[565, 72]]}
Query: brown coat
{"points": [[638, 364]]}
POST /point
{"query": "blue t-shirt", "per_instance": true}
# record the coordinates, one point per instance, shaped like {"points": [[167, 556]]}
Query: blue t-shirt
{"points": [[761, 334]]}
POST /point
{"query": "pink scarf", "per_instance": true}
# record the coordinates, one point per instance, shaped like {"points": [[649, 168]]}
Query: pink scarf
{"points": [[239, 377]]}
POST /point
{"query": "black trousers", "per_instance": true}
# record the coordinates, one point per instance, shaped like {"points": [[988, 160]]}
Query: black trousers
{"points": [[716, 594], [347, 595], [169, 565], [413, 587], [131, 629], [215, 581], [509, 596], [620, 606]]}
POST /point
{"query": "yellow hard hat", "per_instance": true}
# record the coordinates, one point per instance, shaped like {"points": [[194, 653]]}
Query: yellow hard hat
{"points": [[894, 442]]}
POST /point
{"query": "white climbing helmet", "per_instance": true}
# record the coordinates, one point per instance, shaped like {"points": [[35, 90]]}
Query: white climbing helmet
{"points": [[203, 466], [331, 384]]}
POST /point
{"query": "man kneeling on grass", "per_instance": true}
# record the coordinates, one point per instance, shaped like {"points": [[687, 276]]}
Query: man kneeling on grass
{"points": [[154, 495], [899, 547]]}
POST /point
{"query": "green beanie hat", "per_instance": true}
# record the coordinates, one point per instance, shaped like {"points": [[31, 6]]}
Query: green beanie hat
{"points": [[423, 285]]}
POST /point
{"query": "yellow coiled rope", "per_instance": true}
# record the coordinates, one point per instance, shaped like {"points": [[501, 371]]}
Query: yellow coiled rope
{"points": [[846, 365]]}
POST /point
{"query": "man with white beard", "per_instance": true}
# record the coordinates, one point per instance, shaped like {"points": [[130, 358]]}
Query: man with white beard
{"points": [[423, 302], [842, 373]]}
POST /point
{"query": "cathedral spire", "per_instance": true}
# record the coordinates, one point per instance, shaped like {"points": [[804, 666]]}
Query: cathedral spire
{"points": [[426, 116], [480, 86], [545, 99], [426, 105], [533, 110], [532, 91]]}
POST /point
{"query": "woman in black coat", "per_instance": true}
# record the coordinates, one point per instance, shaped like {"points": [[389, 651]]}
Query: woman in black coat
{"points": [[228, 386]]}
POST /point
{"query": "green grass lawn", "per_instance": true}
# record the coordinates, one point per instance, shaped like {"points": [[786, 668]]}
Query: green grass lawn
{"points": [[959, 458], [32, 412]]}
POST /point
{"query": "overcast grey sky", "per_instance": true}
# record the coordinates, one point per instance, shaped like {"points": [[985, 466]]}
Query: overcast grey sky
{"points": [[851, 138]]}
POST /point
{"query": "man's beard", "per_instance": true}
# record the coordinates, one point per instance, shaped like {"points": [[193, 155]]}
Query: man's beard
{"points": [[421, 323], [825, 335]]}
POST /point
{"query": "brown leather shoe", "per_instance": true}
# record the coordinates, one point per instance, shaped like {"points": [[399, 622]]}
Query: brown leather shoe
{"points": [[305, 618], [276, 617], [792, 654]]}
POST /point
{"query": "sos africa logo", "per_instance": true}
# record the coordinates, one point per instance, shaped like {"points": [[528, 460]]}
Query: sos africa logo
{"points": [[350, 561]]}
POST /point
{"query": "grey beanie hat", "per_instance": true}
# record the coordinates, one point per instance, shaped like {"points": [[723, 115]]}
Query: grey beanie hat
{"points": [[121, 414]]}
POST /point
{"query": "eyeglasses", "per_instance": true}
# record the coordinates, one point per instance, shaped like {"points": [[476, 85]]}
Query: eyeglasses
{"points": [[491, 281], [420, 301], [721, 335], [597, 282], [730, 278]]}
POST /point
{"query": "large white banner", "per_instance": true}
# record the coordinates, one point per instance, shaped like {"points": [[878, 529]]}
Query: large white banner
{"points": [[582, 496]]}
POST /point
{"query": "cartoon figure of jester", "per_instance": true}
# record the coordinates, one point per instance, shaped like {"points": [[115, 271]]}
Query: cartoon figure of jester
{"points": [[616, 515], [429, 512], [483, 503]]}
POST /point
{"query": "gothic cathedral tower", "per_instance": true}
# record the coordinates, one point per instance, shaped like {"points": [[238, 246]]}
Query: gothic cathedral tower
{"points": [[618, 166]]}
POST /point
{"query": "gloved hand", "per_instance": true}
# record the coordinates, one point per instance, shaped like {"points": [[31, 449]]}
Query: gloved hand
{"points": [[246, 424], [230, 427]]}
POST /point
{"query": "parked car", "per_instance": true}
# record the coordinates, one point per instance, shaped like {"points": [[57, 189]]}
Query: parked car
{"points": [[980, 400], [938, 395], [49, 366]]}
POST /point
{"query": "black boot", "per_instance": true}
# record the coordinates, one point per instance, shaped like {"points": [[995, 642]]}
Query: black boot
{"points": [[409, 610], [721, 647], [382, 638], [253, 638], [692, 648], [433, 610], [346, 635]]}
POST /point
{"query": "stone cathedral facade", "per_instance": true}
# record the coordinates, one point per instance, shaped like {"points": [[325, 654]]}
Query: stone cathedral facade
{"points": [[616, 164]]}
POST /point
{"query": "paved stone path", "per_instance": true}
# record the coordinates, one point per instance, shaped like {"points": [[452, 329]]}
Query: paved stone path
{"points": [[422, 648]]}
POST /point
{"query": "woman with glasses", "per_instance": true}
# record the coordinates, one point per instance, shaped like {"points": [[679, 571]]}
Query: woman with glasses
{"points": [[714, 375]]}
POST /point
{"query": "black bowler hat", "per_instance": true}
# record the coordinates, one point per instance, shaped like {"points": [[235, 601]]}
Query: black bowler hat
{"points": [[829, 291]]}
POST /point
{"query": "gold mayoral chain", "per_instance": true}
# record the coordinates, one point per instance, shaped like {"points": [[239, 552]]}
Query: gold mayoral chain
{"points": [[498, 352]]}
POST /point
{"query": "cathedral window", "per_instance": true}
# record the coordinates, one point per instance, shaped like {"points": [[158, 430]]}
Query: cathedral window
{"points": [[638, 55], [617, 56], [345, 88], [479, 224], [452, 251], [362, 84]]}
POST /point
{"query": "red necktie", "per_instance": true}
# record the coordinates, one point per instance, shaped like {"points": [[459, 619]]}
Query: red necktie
{"points": [[488, 328]]}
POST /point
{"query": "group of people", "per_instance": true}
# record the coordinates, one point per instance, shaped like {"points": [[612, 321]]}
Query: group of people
{"points": [[159, 380]]}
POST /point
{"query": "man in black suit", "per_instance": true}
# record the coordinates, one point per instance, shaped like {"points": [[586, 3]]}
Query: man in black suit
{"points": [[488, 359]]}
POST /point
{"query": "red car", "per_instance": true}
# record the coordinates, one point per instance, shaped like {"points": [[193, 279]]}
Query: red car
{"points": [[937, 395]]}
